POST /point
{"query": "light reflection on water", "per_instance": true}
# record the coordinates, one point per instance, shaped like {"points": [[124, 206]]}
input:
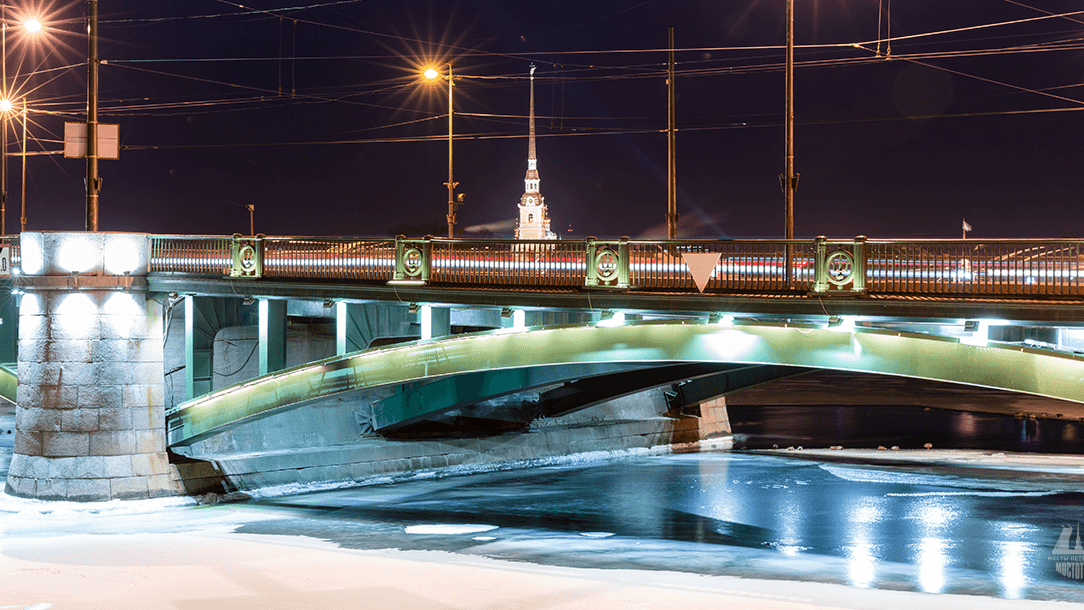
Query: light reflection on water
{"points": [[739, 514]]}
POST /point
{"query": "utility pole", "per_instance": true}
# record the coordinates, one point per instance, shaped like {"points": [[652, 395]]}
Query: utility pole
{"points": [[789, 180], [451, 183], [94, 183], [671, 206]]}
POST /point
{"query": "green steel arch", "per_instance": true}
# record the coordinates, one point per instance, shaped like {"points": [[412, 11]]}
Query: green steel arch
{"points": [[1001, 366]]}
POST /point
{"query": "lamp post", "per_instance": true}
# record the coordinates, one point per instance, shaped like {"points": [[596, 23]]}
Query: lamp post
{"points": [[432, 74], [6, 106]]}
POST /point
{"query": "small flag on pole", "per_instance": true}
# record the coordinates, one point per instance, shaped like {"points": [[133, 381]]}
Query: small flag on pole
{"points": [[967, 228]]}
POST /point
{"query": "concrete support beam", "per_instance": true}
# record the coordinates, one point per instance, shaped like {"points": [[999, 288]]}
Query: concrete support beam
{"points": [[272, 335], [198, 341], [357, 325], [435, 321], [9, 323]]}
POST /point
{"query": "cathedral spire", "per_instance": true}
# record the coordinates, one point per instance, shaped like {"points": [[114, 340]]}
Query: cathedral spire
{"points": [[530, 141], [534, 220]]}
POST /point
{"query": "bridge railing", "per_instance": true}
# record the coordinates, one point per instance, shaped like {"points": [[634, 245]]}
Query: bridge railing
{"points": [[1038, 267], [743, 265], [328, 258], [12, 243], [200, 255]]}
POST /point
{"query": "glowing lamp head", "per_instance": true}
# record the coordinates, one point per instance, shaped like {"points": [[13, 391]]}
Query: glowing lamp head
{"points": [[32, 25], [431, 73], [5, 105]]}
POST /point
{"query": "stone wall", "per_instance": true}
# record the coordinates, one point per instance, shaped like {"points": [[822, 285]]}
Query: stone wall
{"points": [[90, 415]]}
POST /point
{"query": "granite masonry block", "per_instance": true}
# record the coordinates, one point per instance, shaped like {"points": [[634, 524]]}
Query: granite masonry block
{"points": [[148, 418], [143, 395], [89, 467], [128, 488], [77, 374], [149, 441], [32, 374], [146, 464], [109, 351], [68, 351], [79, 420], [118, 375], [31, 350], [28, 442], [59, 397], [114, 418], [145, 372], [88, 490], [35, 418], [61, 468], [32, 328], [74, 326], [21, 486], [112, 443], [100, 396], [62, 444], [145, 350], [52, 489], [117, 466], [164, 485]]}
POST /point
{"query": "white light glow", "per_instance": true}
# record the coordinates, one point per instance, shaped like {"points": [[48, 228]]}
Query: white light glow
{"points": [[29, 305], [861, 565], [77, 253], [618, 319], [726, 320], [980, 337], [846, 325], [931, 565], [32, 25], [519, 319], [431, 74], [77, 316], [120, 310], [427, 321], [123, 253], [1011, 558], [31, 251]]}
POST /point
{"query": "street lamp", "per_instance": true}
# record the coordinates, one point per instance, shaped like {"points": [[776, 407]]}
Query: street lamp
{"points": [[32, 26], [432, 74]]}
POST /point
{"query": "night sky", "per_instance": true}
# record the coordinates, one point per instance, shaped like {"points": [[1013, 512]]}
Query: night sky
{"points": [[978, 123]]}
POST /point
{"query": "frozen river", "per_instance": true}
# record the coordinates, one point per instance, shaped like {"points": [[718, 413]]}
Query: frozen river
{"points": [[732, 514]]}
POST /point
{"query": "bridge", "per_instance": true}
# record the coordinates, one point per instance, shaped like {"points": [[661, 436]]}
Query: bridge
{"points": [[644, 332]]}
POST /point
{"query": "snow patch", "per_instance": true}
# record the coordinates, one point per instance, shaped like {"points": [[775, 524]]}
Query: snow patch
{"points": [[446, 529], [30, 506]]}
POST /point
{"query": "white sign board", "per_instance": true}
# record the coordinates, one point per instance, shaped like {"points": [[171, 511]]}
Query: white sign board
{"points": [[5, 261], [75, 140]]}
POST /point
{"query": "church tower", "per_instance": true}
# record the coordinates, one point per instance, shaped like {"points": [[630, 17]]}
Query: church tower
{"points": [[534, 220]]}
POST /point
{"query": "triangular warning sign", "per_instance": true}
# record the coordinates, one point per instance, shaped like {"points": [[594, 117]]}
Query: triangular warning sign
{"points": [[701, 265]]}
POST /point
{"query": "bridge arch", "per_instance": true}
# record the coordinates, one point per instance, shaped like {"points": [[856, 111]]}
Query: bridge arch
{"points": [[465, 361]]}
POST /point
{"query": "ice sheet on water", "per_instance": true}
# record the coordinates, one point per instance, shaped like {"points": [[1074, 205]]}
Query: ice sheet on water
{"points": [[990, 494], [562, 461]]}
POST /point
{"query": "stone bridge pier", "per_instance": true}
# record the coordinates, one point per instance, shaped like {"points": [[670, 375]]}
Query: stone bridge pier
{"points": [[90, 415]]}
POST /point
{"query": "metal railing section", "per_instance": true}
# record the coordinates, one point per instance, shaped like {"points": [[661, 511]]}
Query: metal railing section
{"points": [[508, 262], [202, 255], [14, 254], [329, 258], [743, 265], [970, 267]]}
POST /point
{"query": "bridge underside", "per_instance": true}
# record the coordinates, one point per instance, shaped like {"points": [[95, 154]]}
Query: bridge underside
{"points": [[493, 382]]}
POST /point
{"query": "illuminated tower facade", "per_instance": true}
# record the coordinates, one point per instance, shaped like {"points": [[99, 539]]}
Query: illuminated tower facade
{"points": [[534, 219]]}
